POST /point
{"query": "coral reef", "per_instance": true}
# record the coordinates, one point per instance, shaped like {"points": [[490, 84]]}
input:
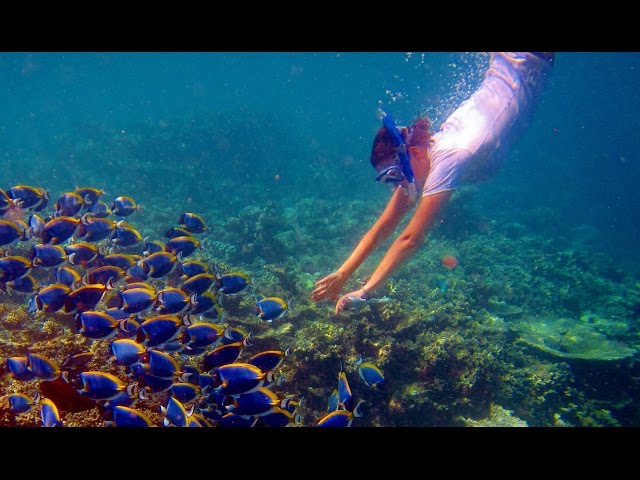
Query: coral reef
{"points": [[525, 330]]}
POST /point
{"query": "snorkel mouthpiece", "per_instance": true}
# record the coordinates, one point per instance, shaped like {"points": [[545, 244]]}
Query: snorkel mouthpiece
{"points": [[403, 155]]}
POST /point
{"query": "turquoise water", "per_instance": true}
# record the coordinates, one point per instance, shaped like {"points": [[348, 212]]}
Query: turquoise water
{"points": [[273, 150]]}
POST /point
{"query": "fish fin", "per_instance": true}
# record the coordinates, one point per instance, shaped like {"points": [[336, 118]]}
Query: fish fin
{"points": [[142, 393], [356, 410], [110, 284], [131, 389]]}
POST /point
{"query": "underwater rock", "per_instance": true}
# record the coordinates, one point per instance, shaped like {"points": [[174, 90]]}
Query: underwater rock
{"points": [[498, 417], [570, 339]]}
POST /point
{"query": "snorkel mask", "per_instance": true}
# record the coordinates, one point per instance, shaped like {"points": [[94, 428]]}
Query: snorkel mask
{"points": [[396, 174]]}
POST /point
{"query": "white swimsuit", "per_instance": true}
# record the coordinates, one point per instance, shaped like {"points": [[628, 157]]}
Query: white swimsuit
{"points": [[472, 142]]}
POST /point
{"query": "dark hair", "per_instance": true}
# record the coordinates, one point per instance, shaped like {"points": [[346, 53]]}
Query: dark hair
{"points": [[383, 146]]}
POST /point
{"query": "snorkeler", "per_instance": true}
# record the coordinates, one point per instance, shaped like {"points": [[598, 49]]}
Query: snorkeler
{"points": [[468, 148]]}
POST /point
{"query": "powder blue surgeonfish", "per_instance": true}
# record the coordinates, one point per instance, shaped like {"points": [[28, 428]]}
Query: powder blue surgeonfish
{"points": [[232, 283], [183, 246], [126, 351], [68, 276], [100, 209], [50, 298], [333, 403], [279, 417], [225, 354], [172, 301], [59, 229], [192, 222], [13, 267], [19, 369], [193, 267], [21, 403], [43, 368], [161, 329], [12, 231], [202, 334], [269, 360], [102, 386], [198, 284], [125, 206], [47, 255], [345, 398], [175, 413], [68, 204], [49, 414], [125, 417], [98, 325], [370, 374], [239, 378], [340, 418], [257, 403], [271, 308], [23, 285], [184, 392], [160, 264]]}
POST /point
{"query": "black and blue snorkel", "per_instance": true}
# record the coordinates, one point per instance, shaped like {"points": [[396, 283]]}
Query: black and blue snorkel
{"points": [[402, 170]]}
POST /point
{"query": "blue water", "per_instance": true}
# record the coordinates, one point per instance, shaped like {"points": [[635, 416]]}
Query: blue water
{"points": [[273, 149], [578, 159]]}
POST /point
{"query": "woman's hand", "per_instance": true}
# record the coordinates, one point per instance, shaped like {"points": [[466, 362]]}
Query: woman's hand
{"points": [[354, 300], [329, 287]]}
